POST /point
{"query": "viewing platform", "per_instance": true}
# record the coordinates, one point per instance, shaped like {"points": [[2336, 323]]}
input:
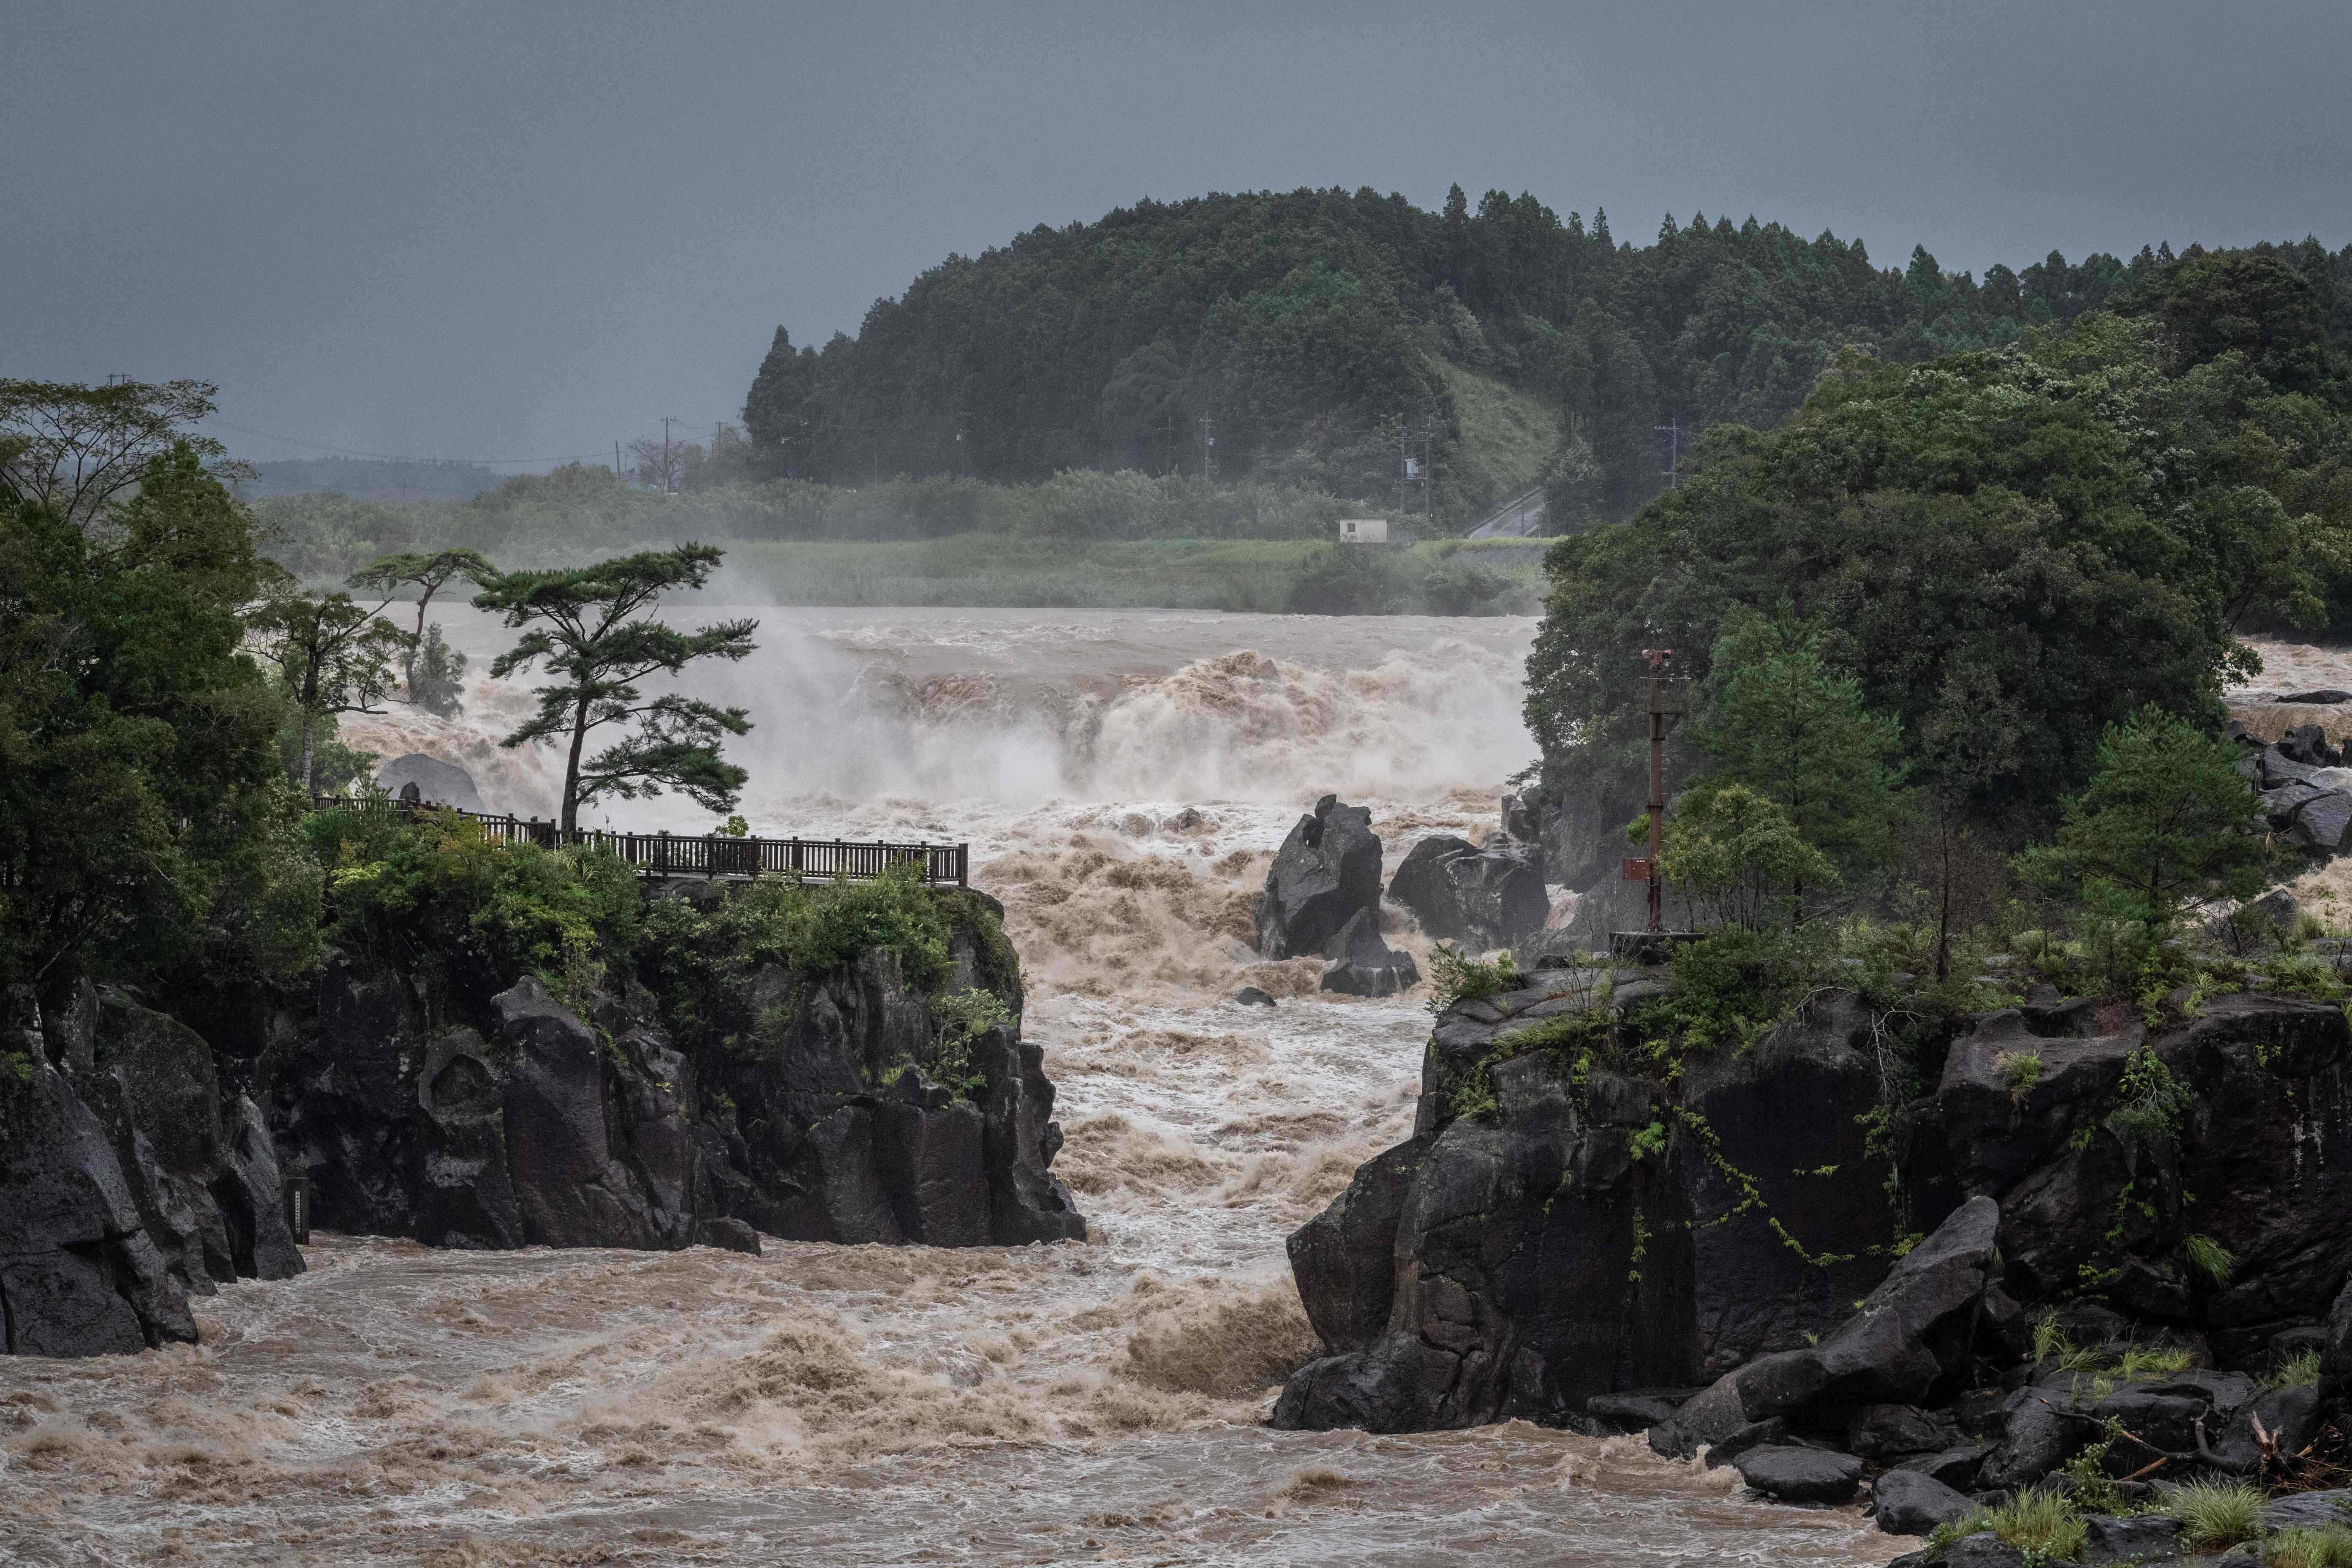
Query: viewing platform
{"points": [[709, 855]]}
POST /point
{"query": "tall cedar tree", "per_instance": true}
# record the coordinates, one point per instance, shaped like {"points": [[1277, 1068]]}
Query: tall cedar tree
{"points": [[594, 630]]}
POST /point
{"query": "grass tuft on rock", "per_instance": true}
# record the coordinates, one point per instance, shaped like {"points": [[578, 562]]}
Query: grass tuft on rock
{"points": [[2216, 1515]]}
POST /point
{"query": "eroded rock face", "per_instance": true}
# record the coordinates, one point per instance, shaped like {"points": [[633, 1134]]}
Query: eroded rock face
{"points": [[1459, 892], [1546, 1248], [549, 1128], [2264, 1142], [79, 1274], [1326, 871]]}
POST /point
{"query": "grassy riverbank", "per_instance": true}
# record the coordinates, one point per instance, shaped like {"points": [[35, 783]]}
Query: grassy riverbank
{"points": [[993, 569]]}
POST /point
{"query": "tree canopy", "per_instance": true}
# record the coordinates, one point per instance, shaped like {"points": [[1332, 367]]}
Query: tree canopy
{"points": [[1307, 331], [2010, 548]]}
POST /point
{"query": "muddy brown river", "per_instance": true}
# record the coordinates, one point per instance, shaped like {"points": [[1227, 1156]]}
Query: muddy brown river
{"points": [[1122, 778]]}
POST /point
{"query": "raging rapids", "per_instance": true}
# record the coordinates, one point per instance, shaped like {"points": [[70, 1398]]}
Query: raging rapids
{"points": [[1122, 778]]}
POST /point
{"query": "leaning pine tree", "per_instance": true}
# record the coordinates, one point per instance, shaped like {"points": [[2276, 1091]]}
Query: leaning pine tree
{"points": [[593, 629]]}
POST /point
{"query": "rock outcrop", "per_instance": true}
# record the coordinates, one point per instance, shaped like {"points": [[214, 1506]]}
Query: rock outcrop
{"points": [[808, 1118], [1569, 1241], [438, 782], [1460, 894], [1362, 964], [1536, 1244], [128, 1182], [1326, 871]]}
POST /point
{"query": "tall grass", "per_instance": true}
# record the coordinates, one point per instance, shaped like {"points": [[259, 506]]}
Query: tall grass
{"points": [[2043, 1524], [2216, 1515]]}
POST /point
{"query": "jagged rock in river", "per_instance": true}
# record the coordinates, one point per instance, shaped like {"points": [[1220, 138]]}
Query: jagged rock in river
{"points": [[1364, 965], [1326, 871], [1459, 892], [438, 782], [79, 1274]]}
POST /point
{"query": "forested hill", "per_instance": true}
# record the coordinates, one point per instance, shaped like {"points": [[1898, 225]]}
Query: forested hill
{"points": [[1320, 337]]}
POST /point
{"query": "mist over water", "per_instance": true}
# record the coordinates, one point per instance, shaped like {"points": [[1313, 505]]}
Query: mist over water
{"points": [[1122, 778]]}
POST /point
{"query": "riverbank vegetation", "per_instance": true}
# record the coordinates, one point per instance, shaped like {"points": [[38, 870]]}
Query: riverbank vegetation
{"points": [[1956, 635]]}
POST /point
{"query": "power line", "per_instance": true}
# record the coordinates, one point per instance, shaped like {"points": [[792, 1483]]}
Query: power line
{"points": [[346, 451]]}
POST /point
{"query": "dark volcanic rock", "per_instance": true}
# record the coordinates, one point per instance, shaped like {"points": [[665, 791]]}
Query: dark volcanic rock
{"points": [[1459, 892], [2307, 1510], [1344, 1258], [1542, 1256], [1911, 1504], [569, 1185], [1251, 996], [79, 1273], [2323, 695], [730, 1233], [1801, 1475], [2265, 1142], [1363, 966], [2140, 1537], [437, 783], [1326, 871], [1956, 1467]]}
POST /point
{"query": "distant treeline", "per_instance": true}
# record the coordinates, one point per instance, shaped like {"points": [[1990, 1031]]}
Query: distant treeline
{"points": [[1316, 339], [370, 479], [581, 511]]}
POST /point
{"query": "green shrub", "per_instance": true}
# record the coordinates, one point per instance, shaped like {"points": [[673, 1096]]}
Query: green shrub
{"points": [[1736, 982], [413, 888], [2153, 1103], [957, 1019], [1454, 977], [2216, 1515], [2091, 1489]]}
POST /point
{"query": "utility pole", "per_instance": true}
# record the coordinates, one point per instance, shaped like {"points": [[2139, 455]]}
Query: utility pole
{"points": [[1666, 703], [667, 420], [1672, 431], [617, 460], [1208, 447]]}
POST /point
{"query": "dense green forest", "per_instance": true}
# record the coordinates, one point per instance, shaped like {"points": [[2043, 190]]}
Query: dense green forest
{"points": [[1995, 574], [1319, 338]]}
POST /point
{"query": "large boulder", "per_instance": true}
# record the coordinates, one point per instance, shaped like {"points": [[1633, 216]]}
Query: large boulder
{"points": [[1344, 1258], [437, 782], [570, 1184], [1460, 894], [1907, 1503], [1326, 871], [1364, 965], [1800, 1475], [79, 1274]]}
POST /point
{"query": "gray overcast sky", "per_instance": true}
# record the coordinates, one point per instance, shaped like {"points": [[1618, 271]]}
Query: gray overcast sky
{"points": [[521, 231]]}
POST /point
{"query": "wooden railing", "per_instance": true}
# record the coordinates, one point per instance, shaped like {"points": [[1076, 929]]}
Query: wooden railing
{"points": [[711, 854]]}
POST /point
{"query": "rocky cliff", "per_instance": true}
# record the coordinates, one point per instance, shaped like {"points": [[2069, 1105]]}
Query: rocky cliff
{"points": [[1583, 1231], [848, 1104]]}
